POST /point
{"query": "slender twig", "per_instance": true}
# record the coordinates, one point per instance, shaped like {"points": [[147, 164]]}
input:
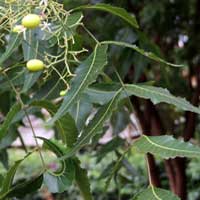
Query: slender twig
{"points": [[18, 97], [90, 34]]}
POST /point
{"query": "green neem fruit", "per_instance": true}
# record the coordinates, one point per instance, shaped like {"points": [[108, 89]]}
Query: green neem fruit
{"points": [[31, 21], [35, 65], [63, 93]]}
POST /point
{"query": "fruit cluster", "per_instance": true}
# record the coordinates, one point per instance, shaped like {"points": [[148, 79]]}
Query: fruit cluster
{"points": [[32, 21]]}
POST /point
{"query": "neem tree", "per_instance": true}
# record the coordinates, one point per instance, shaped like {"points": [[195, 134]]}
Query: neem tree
{"points": [[49, 59]]}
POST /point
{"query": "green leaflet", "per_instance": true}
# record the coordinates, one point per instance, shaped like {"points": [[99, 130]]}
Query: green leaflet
{"points": [[120, 12], [166, 147], [158, 95], [153, 193], [15, 41], [7, 181], [65, 125], [86, 73], [71, 23], [95, 124], [102, 93], [81, 111], [68, 126], [149, 55], [74, 19], [59, 181], [83, 181], [8, 119], [22, 189]]}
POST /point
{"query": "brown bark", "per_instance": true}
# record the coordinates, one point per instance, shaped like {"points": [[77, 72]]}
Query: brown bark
{"points": [[171, 174], [155, 179], [179, 165], [157, 128], [153, 170]]}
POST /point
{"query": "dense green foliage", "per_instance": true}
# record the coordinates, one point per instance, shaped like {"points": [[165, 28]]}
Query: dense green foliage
{"points": [[95, 67]]}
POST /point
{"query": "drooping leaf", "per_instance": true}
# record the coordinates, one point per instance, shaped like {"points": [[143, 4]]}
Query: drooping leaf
{"points": [[158, 95], [15, 41], [120, 12], [153, 193], [95, 125], [26, 187], [81, 111], [86, 74], [101, 93], [7, 183], [60, 180], [104, 92], [166, 147], [8, 119], [69, 128], [149, 55], [65, 125], [8, 180], [83, 182]]}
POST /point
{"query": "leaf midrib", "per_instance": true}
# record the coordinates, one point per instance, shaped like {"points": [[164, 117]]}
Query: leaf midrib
{"points": [[113, 99], [168, 148], [79, 144], [170, 96], [92, 64]]}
